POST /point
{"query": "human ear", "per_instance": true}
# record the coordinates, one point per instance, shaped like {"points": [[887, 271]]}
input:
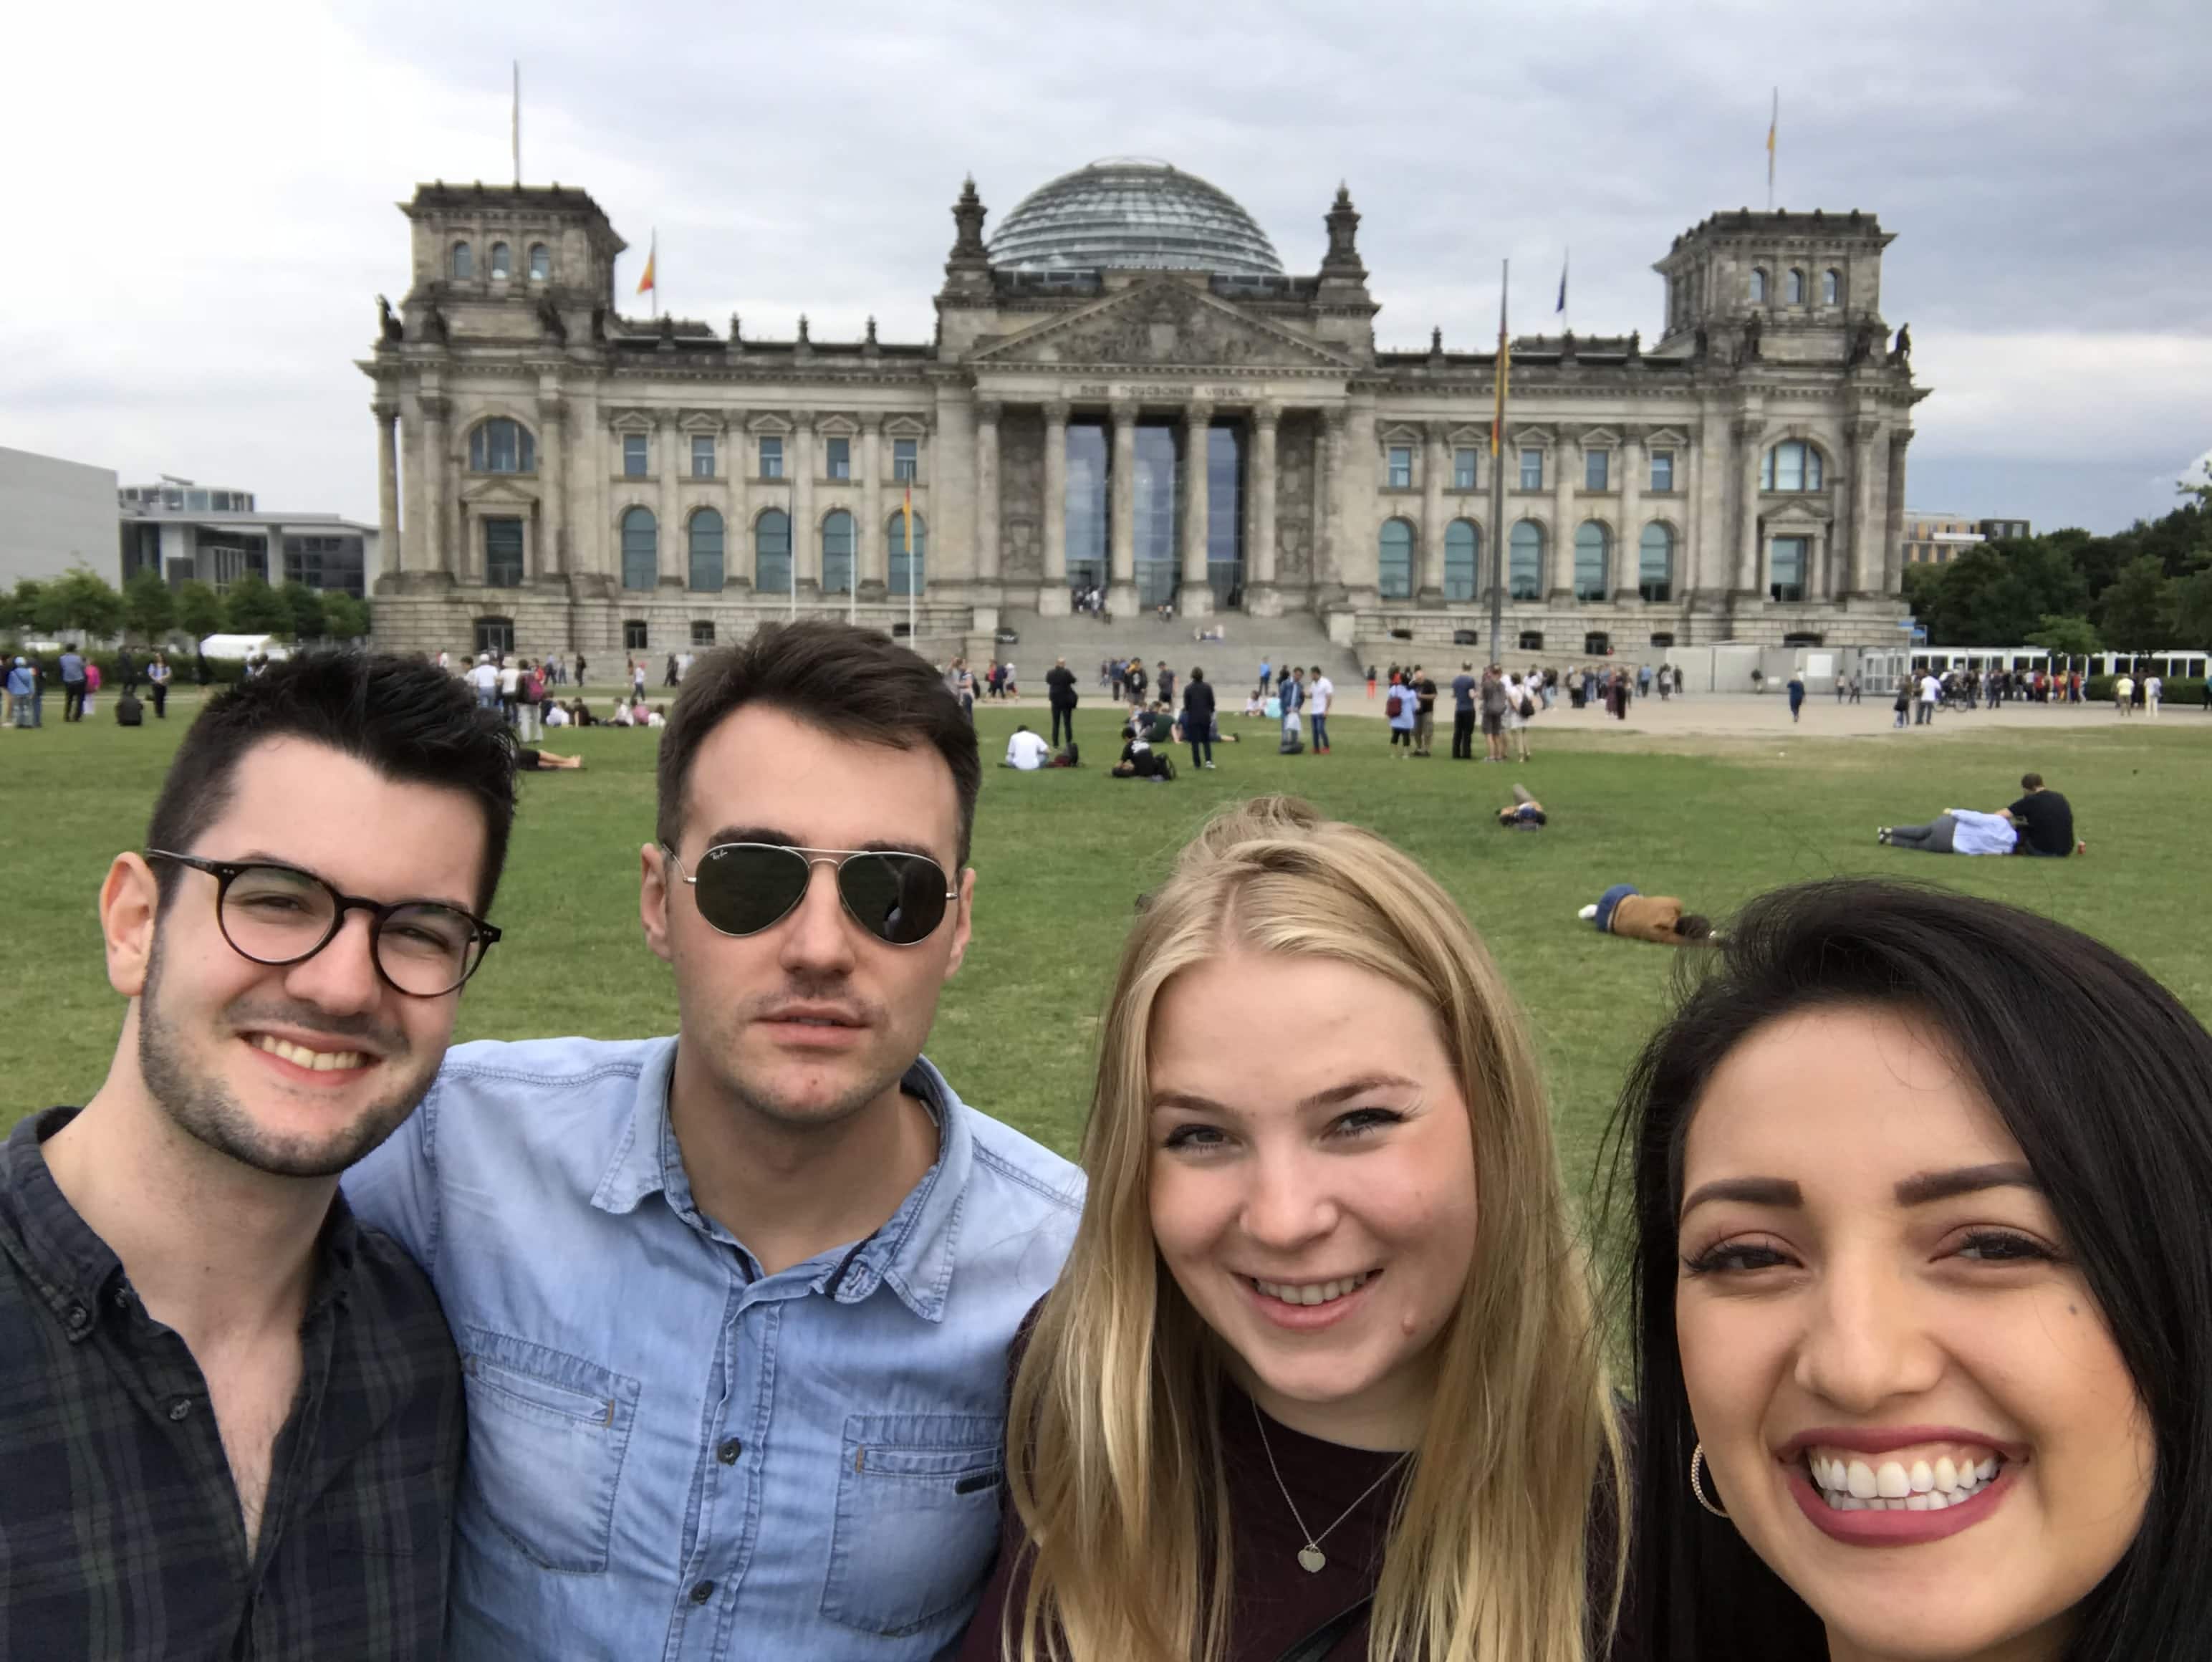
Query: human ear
{"points": [[653, 880], [963, 921], [130, 906]]}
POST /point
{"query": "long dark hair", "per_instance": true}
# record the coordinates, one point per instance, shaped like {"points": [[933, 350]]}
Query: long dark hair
{"points": [[2103, 1078]]}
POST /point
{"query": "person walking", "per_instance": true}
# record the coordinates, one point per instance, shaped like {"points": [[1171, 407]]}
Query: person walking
{"points": [[637, 682], [1424, 711], [1839, 686], [19, 692], [158, 674], [1462, 689], [1320, 696], [510, 690], [1399, 711], [1370, 683], [1291, 694], [1520, 710], [1796, 694], [1059, 692], [1197, 716], [1931, 694], [2154, 694], [72, 673], [1267, 675], [91, 687], [1492, 702], [1163, 684]]}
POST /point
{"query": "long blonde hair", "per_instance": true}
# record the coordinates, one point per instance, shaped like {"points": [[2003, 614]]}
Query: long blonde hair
{"points": [[1112, 1461]]}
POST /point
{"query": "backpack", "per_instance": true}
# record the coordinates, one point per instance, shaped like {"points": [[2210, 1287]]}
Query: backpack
{"points": [[1392, 706], [533, 688]]}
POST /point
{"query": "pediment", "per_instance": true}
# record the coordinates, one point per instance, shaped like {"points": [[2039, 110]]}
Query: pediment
{"points": [[1600, 438], [1462, 436], [1534, 437], [905, 427], [1399, 432], [1165, 323], [701, 420], [837, 426], [767, 422], [498, 491], [631, 421], [1666, 436], [1799, 510]]}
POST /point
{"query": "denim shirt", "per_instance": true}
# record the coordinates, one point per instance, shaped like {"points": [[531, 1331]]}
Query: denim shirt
{"points": [[670, 1453]]}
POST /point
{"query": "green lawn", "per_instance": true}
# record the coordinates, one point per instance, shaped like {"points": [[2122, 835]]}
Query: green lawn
{"points": [[1061, 856]]}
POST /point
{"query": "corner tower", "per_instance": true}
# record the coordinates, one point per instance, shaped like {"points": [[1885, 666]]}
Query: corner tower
{"points": [[1793, 287]]}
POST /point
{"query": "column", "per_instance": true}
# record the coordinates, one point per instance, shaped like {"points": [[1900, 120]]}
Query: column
{"points": [[737, 534], [435, 514], [589, 538], [1428, 580], [870, 568], [987, 509], [1053, 595], [806, 539], [1352, 496], [1892, 535], [1329, 522], [1261, 597], [1712, 559], [1121, 590], [1194, 599], [669, 511], [1866, 538], [389, 552], [1565, 454], [551, 552], [1747, 430], [1625, 581]]}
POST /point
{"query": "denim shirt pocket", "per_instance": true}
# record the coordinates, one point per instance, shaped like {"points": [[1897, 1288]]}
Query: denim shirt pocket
{"points": [[917, 1518], [547, 1434]]}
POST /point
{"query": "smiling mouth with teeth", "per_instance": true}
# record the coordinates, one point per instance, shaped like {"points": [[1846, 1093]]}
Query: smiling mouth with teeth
{"points": [[1859, 1482], [320, 1062], [1310, 1292]]}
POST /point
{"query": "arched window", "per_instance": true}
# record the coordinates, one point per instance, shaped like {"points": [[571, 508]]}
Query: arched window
{"points": [[1792, 465], [502, 264], [1832, 288], [1758, 286], [1397, 560], [705, 552], [1793, 287], [500, 446], [541, 263], [1462, 556], [462, 264], [838, 549], [772, 552], [1591, 543], [641, 548], [909, 576], [1525, 562], [1654, 564]]}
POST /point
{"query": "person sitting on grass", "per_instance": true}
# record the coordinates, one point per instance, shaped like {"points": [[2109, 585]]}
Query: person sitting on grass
{"points": [[621, 718], [2045, 820], [1954, 830], [1660, 917], [1255, 702], [544, 761], [1139, 760], [1025, 752], [1526, 813]]}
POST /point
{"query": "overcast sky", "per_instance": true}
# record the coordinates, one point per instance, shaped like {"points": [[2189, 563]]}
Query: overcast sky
{"points": [[201, 197]]}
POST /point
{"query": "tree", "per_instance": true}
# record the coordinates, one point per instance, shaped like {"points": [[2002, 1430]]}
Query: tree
{"points": [[2071, 637], [149, 610], [2192, 609], [303, 611], [19, 606], [345, 618], [2137, 612], [199, 610], [83, 600], [253, 607]]}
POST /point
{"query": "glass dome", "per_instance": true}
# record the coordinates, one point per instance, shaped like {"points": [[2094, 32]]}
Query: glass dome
{"points": [[1132, 213]]}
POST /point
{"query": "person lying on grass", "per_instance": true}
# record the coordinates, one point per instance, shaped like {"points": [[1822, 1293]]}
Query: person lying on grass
{"points": [[1622, 911]]}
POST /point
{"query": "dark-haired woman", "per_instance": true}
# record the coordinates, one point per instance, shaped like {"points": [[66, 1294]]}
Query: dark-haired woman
{"points": [[1923, 1282]]}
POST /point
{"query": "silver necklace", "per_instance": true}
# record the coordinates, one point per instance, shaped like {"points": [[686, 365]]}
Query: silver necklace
{"points": [[1311, 1558]]}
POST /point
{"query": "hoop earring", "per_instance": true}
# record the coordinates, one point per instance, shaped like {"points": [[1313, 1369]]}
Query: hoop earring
{"points": [[1697, 1484]]}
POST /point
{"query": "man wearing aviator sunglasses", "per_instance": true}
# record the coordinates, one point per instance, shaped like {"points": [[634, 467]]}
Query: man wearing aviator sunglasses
{"points": [[234, 1417], [735, 1307]]}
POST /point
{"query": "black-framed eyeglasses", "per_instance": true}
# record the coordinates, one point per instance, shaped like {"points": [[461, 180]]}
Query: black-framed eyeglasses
{"points": [[743, 888], [279, 915]]}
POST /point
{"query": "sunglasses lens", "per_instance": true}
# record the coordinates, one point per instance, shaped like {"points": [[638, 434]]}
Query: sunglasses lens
{"points": [[898, 897], [744, 887]]}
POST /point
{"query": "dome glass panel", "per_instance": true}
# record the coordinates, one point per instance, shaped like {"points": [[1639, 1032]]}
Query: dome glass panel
{"points": [[1131, 214]]}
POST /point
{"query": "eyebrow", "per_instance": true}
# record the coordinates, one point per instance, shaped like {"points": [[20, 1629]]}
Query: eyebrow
{"points": [[265, 857], [783, 839], [1922, 1189], [1329, 1099]]}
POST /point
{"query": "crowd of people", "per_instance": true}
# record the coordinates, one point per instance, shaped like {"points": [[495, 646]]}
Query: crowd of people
{"points": [[324, 1337]]}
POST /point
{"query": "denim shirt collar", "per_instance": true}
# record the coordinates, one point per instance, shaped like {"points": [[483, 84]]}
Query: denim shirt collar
{"points": [[912, 1253]]}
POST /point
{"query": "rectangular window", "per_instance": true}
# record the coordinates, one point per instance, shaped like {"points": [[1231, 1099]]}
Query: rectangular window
{"points": [[1401, 467], [1598, 470], [1786, 567], [502, 553], [633, 634], [1662, 469], [1462, 470], [1532, 470], [702, 633], [906, 461], [839, 462], [633, 455], [771, 457], [702, 456]]}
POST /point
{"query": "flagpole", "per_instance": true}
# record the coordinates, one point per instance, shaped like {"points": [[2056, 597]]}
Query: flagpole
{"points": [[1773, 125], [1497, 472], [517, 121], [910, 600]]}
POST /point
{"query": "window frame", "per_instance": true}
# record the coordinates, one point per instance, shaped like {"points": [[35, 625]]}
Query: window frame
{"points": [[907, 469], [894, 551], [702, 633], [1532, 458], [1758, 285], [1831, 287], [1470, 477], [461, 261], [628, 526], [1655, 459], [762, 553], [837, 458], [499, 264], [1644, 583], [1804, 556], [484, 454], [768, 450], [636, 637], [1537, 546], [850, 555], [1594, 592], [692, 554], [1597, 469], [507, 575], [1394, 566], [540, 263], [702, 449], [1462, 560], [1794, 288], [637, 447], [1398, 462]]}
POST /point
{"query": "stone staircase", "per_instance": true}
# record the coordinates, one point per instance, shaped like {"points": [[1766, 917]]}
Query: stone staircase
{"points": [[1232, 662]]}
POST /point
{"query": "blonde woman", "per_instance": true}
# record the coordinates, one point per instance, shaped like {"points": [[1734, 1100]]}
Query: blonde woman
{"points": [[1319, 1379]]}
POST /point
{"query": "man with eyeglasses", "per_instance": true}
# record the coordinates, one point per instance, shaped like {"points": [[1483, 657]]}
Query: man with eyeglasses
{"points": [[233, 1417], [734, 1307]]}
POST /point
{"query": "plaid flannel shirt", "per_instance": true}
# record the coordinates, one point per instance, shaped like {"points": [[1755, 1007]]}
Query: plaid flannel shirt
{"points": [[120, 1534]]}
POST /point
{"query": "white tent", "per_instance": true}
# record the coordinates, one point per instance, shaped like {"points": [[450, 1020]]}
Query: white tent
{"points": [[243, 646]]}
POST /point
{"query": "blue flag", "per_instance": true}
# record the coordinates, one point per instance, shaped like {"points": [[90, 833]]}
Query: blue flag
{"points": [[1561, 309]]}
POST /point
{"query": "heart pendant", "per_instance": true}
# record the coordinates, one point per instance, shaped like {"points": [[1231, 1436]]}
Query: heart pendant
{"points": [[1311, 1559]]}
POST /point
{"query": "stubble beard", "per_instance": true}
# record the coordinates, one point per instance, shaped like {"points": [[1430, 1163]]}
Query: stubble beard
{"points": [[201, 1104]]}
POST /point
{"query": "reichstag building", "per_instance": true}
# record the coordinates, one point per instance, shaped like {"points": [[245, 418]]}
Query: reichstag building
{"points": [[1128, 392]]}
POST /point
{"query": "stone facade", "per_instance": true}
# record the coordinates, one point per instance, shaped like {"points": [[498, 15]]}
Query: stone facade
{"points": [[562, 479]]}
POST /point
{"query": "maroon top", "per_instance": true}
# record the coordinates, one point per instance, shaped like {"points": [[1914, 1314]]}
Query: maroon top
{"points": [[1274, 1601]]}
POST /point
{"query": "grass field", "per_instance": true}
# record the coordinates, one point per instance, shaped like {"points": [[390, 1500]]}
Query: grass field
{"points": [[1062, 856]]}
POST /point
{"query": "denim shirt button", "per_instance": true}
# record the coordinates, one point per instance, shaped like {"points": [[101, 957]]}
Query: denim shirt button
{"points": [[701, 1591], [727, 1452]]}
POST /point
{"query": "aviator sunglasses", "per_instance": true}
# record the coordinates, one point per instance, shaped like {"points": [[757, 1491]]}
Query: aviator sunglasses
{"points": [[743, 888]]}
